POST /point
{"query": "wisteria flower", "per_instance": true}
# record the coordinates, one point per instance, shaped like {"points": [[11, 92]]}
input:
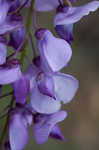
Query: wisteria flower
{"points": [[66, 16], [46, 126]]}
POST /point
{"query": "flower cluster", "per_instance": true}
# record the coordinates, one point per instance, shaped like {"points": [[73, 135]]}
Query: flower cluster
{"points": [[42, 82]]}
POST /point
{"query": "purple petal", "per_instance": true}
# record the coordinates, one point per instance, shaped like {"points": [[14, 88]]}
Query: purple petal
{"points": [[21, 89], [17, 37], [4, 7], [46, 86], [9, 75], [51, 53], [65, 87], [12, 23], [42, 103], [56, 133], [74, 14], [65, 32], [3, 53], [18, 133], [30, 73], [43, 128], [46, 5]]}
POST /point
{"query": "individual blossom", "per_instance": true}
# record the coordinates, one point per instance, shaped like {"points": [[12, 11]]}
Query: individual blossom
{"points": [[46, 126], [20, 120], [49, 87], [10, 72], [66, 16]]}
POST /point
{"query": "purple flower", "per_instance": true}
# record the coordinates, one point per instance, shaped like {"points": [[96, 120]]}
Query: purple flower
{"points": [[10, 72], [51, 53], [21, 89], [48, 87], [11, 23], [45, 126], [66, 16], [20, 120], [17, 37]]}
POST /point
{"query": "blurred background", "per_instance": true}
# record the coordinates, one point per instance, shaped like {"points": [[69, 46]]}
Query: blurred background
{"points": [[81, 128]]}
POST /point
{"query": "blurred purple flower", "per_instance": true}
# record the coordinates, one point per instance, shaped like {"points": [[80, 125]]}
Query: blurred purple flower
{"points": [[66, 16]]}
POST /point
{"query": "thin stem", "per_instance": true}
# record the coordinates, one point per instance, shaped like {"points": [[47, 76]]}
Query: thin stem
{"points": [[5, 95], [33, 48], [18, 9], [35, 20], [28, 28], [19, 48], [6, 124]]}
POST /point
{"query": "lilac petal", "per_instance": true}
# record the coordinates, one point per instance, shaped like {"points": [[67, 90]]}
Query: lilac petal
{"points": [[46, 86], [17, 37], [9, 75], [42, 103], [3, 53], [74, 14], [65, 32], [21, 89], [4, 7], [30, 73], [12, 23], [46, 5], [56, 133], [18, 133], [51, 53], [65, 87], [43, 128]]}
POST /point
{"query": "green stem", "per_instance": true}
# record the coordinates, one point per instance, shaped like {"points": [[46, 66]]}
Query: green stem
{"points": [[4, 132], [28, 29]]}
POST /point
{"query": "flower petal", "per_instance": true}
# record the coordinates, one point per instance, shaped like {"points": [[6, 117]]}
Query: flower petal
{"points": [[51, 53], [46, 86], [21, 89], [9, 75], [43, 128], [42, 103], [18, 133], [56, 133], [3, 53], [74, 14], [46, 5], [65, 32], [65, 87], [4, 7], [17, 37]]}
